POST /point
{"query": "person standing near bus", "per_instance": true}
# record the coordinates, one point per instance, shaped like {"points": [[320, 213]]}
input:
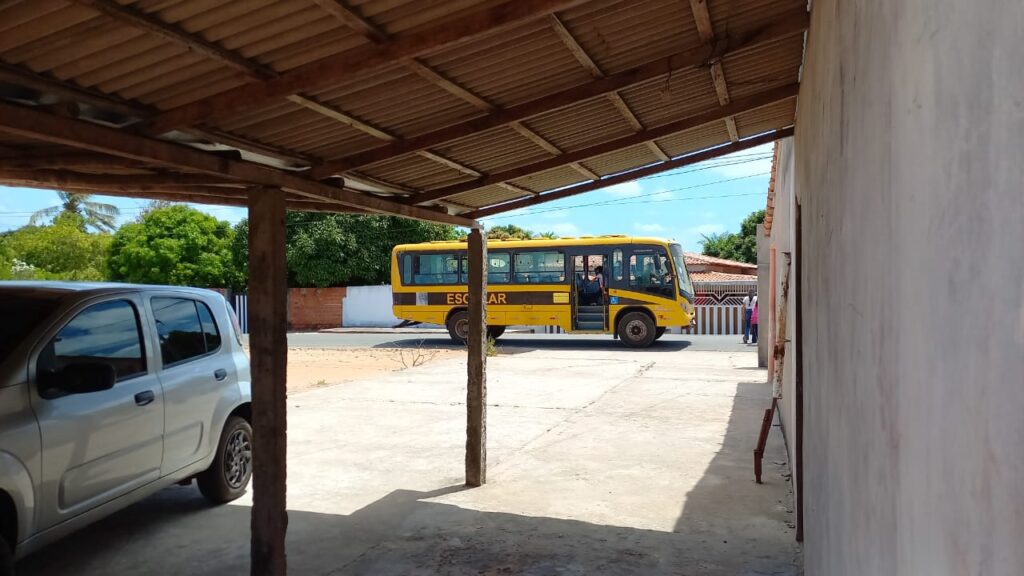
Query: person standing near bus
{"points": [[749, 303], [753, 323]]}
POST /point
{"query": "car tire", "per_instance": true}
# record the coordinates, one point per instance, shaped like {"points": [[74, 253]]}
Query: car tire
{"points": [[6, 558], [659, 332], [495, 332], [458, 326], [636, 330], [228, 476]]}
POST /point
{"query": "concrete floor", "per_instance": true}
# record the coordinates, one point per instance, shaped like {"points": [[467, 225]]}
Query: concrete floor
{"points": [[601, 461]]}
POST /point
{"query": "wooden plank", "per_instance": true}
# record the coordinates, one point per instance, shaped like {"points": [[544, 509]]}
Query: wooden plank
{"points": [[132, 110], [172, 33], [658, 151], [715, 114], [61, 178], [25, 161], [370, 182], [512, 187], [88, 136], [730, 126], [573, 45], [435, 78], [476, 365], [626, 111], [633, 174], [584, 170], [333, 69], [340, 116], [349, 17], [739, 38], [537, 139], [702, 18], [448, 162], [718, 78], [268, 344]]}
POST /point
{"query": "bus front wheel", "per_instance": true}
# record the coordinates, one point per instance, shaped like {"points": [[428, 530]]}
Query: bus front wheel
{"points": [[659, 332], [637, 330]]}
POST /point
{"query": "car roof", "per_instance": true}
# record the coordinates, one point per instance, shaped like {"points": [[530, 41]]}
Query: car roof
{"points": [[58, 288]]}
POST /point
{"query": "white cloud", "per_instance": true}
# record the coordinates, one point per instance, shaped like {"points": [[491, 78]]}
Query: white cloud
{"points": [[706, 229], [565, 229], [625, 189], [739, 165], [651, 227]]}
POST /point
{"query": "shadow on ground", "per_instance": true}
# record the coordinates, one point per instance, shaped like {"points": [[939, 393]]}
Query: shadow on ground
{"points": [[727, 526], [523, 343]]}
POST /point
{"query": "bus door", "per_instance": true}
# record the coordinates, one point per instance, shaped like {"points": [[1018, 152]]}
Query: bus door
{"points": [[589, 301]]}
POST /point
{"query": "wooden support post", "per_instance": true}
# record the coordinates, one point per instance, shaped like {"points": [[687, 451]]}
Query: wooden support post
{"points": [[268, 325], [476, 396]]}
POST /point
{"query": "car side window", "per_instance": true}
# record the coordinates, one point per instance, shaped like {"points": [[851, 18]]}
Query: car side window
{"points": [[180, 329], [104, 333], [210, 332]]}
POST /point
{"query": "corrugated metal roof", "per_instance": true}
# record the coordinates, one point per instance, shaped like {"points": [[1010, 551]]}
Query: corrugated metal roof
{"points": [[457, 98]]}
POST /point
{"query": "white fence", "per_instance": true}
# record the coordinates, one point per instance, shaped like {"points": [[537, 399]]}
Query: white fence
{"points": [[717, 319], [240, 302], [368, 306]]}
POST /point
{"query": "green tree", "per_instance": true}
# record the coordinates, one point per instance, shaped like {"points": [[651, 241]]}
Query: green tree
{"points": [[96, 215], [733, 246], [175, 245], [63, 250], [508, 232], [547, 236], [342, 249]]}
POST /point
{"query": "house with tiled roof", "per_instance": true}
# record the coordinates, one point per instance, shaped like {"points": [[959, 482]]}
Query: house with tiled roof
{"points": [[705, 268]]}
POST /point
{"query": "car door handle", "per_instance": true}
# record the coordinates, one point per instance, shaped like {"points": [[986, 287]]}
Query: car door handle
{"points": [[143, 398], [220, 374]]}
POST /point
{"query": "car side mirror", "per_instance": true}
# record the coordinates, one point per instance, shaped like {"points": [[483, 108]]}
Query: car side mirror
{"points": [[79, 378]]}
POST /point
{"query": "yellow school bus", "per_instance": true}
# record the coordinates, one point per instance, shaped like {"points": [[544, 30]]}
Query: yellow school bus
{"points": [[631, 288]]}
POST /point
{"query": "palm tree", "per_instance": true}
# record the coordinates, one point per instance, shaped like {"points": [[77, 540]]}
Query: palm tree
{"points": [[547, 236], [102, 217]]}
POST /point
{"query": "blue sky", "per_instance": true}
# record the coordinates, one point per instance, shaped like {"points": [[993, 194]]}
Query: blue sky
{"points": [[701, 199]]}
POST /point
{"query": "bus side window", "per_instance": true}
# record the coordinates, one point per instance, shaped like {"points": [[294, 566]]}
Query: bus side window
{"points": [[617, 264], [499, 268], [540, 267]]}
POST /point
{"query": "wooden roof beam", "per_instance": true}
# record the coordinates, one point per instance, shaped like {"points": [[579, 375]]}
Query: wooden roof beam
{"points": [[706, 31], [333, 69], [44, 127], [633, 174], [515, 188], [708, 116], [737, 38], [25, 161], [349, 17], [590, 174], [64, 179]]}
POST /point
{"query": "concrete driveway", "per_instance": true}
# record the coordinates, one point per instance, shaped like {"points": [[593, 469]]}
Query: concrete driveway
{"points": [[602, 460]]}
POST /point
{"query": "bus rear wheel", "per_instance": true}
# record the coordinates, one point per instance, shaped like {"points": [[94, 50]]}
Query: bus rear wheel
{"points": [[659, 332], [495, 332], [636, 330], [458, 326]]}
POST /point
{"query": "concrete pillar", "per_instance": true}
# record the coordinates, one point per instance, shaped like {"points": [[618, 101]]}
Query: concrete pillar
{"points": [[268, 340], [763, 280], [476, 381]]}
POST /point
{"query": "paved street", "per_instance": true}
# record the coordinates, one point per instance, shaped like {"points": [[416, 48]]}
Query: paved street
{"points": [[514, 342]]}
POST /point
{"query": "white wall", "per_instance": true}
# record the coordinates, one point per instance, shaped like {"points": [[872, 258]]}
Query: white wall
{"points": [[368, 306], [909, 161]]}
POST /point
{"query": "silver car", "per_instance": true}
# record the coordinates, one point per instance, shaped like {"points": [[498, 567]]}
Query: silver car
{"points": [[109, 393]]}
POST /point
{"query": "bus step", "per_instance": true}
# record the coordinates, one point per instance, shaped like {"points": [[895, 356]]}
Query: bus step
{"points": [[590, 317], [598, 325], [590, 309]]}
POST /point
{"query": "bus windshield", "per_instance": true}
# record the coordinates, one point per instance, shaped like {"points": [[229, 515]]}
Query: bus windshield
{"points": [[685, 286]]}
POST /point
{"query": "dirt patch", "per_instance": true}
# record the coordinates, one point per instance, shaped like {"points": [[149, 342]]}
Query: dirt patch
{"points": [[310, 368]]}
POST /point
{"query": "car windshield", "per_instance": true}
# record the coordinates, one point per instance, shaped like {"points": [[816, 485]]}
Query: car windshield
{"points": [[685, 286], [21, 313]]}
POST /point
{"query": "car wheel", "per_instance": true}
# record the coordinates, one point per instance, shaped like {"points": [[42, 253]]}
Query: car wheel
{"points": [[6, 558], [228, 476], [458, 326], [659, 332], [495, 332], [636, 330]]}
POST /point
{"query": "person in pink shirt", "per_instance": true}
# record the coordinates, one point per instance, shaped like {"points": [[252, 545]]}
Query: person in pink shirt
{"points": [[753, 324]]}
